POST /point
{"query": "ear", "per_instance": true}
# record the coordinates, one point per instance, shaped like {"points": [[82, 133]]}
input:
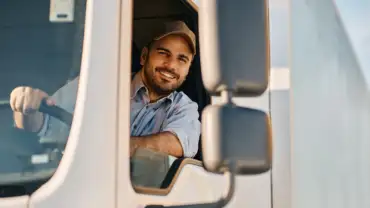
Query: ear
{"points": [[144, 55]]}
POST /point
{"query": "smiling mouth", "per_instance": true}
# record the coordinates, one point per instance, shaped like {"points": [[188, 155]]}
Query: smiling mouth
{"points": [[167, 74]]}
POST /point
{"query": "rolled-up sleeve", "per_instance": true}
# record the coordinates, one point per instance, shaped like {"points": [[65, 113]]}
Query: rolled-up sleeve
{"points": [[184, 123], [45, 127]]}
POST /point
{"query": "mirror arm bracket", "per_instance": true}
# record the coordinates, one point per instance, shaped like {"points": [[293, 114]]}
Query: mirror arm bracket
{"points": [[231, 174], [226, 96]]}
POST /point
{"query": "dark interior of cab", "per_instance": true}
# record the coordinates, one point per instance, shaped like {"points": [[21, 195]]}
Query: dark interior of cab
{"points": [[30, 45]]}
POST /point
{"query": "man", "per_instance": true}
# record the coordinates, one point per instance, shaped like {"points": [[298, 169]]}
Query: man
{"points": [[161, 118]]}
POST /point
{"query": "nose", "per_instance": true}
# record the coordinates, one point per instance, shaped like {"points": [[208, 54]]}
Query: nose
{"points": [[170, 63]]}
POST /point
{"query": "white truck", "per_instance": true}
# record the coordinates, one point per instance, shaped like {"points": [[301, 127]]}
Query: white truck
{"points": [[309, 149]]}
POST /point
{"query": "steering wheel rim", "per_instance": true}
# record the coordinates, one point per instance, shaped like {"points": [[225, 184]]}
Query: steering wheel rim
{"points": [[54, 111]]}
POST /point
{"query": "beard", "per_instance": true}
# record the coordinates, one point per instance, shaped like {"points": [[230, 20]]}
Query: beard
{"points": [[157, 84]]}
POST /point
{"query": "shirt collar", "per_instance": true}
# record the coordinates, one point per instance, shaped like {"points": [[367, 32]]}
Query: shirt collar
{"points": [[137, 84]]}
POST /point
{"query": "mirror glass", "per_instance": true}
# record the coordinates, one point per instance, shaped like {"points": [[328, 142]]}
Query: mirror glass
{"points": [[234, 36], [236, 135]]}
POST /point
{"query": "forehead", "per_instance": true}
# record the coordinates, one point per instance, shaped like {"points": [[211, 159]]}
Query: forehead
{"points": [[174, 43]]}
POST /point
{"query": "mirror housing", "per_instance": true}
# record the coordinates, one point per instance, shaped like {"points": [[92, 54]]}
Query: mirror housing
{"points": [[234, 46], [239, 135]]}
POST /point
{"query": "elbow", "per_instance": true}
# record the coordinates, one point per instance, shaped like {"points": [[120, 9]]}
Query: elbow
{"points": [[185, 146]]}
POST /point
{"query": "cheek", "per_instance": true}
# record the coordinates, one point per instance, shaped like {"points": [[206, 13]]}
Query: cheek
{"points": [[156, 60], [150, 66], [183, 73], [156, 64]]}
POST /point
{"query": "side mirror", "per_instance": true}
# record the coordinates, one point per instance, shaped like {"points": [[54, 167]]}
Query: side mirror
{"points": [[234, 46], [234, 50], [236, 137], [235, 60]]}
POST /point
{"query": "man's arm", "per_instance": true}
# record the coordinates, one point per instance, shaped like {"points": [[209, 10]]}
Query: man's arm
{"points": [[179, 136], [25, 102], [165, 142]]}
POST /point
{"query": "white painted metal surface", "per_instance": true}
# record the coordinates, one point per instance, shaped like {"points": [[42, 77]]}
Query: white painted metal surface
{"points": [[280, 111], [86, 176], [14, 202], [330, 112]]}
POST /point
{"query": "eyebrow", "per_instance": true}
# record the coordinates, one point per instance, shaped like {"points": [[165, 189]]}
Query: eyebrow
{"points": [[168, 51], [163, 49], [185, 57]]}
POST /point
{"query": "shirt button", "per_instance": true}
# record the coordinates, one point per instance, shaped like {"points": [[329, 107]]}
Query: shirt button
{"points": [[135, 126]]}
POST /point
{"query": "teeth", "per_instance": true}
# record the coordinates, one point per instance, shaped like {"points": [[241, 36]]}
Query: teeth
{"points": [[167, 75]]}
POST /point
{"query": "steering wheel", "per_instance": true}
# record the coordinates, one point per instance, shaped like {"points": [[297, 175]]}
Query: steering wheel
{"points": [[19, 147], [56, 112]]}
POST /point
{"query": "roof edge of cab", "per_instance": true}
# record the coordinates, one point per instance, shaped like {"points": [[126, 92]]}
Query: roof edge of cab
{"points": [[192, 4]]}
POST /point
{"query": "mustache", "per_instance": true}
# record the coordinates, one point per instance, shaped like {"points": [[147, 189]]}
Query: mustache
{"points": [[167, 70]]}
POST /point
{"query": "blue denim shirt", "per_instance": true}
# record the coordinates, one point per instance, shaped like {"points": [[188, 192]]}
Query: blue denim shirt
{"points": [[176, 113]]}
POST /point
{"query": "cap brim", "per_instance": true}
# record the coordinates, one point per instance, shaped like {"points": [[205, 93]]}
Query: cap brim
{"points": [[183, 34]]}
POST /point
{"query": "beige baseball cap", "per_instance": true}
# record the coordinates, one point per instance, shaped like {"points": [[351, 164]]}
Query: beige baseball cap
{"points": [[179, 28]]}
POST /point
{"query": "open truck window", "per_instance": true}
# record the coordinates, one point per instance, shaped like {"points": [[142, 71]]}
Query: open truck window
{"points": [[151, 167], [40, 50]]}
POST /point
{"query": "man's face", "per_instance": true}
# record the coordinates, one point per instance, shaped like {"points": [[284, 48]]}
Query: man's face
{"points": [[166, 64]]}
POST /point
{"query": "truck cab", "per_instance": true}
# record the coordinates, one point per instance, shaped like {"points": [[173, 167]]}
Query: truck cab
{"points": [[51, 43]]}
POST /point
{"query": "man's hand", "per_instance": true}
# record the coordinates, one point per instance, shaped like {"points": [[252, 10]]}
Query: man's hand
{"points": [[25, 102]]}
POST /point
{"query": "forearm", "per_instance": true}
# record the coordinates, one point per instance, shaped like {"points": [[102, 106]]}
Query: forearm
{"points": [[32, 122], [165, 142]]}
